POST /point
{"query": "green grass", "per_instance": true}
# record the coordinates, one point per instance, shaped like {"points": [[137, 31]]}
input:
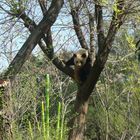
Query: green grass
{"points": [[45, 128]]}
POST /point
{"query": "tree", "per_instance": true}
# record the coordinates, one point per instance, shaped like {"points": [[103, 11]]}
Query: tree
{"points": [[41, 34]]}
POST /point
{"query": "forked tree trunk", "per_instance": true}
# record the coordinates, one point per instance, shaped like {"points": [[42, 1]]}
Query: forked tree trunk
{"points": [[77, 123]]}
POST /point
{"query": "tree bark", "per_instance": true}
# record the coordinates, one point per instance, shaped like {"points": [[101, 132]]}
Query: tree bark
{"points": [[81, 103], [77, 124], [6, 113]]}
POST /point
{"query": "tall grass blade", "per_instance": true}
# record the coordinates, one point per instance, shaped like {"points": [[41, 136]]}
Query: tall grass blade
{"points": [[31, 131], [62, 122], [43, 121], [58, 121], [47, 104]]}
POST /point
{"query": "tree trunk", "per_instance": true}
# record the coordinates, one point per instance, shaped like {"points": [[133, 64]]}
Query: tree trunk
{"points": [[6, 114], [1, 117], [77, 123]]}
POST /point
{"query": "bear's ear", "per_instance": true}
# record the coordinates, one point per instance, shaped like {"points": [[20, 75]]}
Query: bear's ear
{"points": [[84, 55], [74, 55]]}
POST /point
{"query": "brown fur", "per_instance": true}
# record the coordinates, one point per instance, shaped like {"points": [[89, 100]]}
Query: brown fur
{"points": [[81, 62]]}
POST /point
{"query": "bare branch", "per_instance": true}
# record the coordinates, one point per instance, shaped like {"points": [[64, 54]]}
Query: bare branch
{"points": [[92, 47], [56, 61], [31, 25], [77, 26], [28, 22], [48, 48], [91, 27], [8, 12], [43, 6], [99, 21], [117, 21], [91, 30], [34, 38]]}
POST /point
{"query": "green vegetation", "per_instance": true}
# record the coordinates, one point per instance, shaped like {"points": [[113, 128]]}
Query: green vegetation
{"points": [[44, 125], [42, 104]]}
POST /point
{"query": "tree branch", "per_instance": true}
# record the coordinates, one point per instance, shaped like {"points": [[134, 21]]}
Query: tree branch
{"points": [[117, 20], [48, 48], [77, 28], [92, 52], [91, 27], [43, 7], [28, 22], [99, 22], [34, 38], [101, 59], [92, 47]]}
